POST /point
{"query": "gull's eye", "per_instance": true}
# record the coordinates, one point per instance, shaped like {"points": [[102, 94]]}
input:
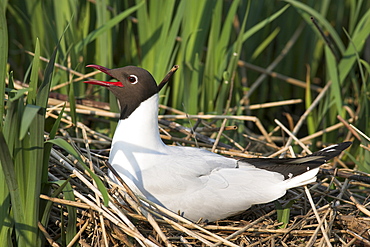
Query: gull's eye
{"points": [[132, 79]]}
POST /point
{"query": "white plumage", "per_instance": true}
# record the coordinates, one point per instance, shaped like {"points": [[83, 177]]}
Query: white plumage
{"points": [[194, 182]]}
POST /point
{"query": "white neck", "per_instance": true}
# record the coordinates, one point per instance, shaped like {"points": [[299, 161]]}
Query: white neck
{"points": [[141, 127]]}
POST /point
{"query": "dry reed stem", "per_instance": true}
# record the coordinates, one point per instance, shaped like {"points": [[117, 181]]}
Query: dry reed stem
{"points": [[65, 202], [190, 132], [139, 208], [84, 135], [276, 61], [307, 112], [321, 132], [227, 108], [213, 117], [287, 79], [240, 231], [69, 70], [184, 221], [347, 125], [100, 113], [220, 149], [291, 135], [272, 104], [47, 236], [318, 228], [359, 237], [79, 233], [361, 133], [219, 135], [205, 239]]}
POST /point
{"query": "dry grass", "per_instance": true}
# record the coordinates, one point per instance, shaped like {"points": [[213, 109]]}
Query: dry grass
{"points": [[339, 217]]}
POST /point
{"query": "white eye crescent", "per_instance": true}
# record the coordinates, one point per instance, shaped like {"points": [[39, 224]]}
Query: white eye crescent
{"points": [[133, 79]]}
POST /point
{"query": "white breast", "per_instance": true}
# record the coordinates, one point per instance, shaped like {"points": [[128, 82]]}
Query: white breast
{"points": [[195, 182]]}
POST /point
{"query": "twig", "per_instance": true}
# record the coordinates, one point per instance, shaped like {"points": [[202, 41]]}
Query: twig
{"points": [[65, 202], [47, 236], [78, 235], [364, 241], [227, 107], [95, 112], [118, 177], [341, 174], [208, 128], [259, 243], [158, 229], [292, 136], [134, 202], [243, 118], [71, 71], [361, 207], [364, 147], [171, 109], [219, 135], [307, 112], [185, 221], [317, 216], [277, 60], [321, 132], [348, 126], [314, 236], [188, 232], [97, 198], [282, 150], [272, 104], [287, 79], [133, 232], [188, 131], [360, 132], [240, 231]]}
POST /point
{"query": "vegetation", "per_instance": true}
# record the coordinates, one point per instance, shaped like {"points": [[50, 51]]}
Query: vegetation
{"points": [[232, 57]]}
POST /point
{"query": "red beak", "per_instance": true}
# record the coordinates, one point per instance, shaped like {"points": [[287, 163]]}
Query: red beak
{"points": [[103, 83]]}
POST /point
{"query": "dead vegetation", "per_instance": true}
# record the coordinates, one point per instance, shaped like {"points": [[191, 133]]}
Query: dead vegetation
{"points": [[332, 212]]}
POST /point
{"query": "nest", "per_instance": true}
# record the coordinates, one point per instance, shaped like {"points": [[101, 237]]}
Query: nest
{"points": [[333, 212]]}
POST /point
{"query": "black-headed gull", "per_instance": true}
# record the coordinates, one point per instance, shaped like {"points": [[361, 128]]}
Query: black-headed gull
{"points": [[195, 182]]}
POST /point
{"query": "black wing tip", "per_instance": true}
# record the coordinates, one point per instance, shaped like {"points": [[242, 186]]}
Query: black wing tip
{"points": [[337, 147], [344, 145], [332, 151], [292, 167]]}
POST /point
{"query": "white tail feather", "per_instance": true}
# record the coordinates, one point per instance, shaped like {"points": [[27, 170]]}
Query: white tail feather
{"points": [[303, 179]]}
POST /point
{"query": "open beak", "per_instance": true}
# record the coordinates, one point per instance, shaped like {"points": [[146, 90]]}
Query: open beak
{"points": [[103, 83]]}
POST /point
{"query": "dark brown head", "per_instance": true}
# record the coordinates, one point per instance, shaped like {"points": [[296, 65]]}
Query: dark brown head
{"points": [[134, 86]]}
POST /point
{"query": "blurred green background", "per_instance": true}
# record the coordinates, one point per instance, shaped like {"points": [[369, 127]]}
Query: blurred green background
{"points": [[206, 38], [219, 45]]}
